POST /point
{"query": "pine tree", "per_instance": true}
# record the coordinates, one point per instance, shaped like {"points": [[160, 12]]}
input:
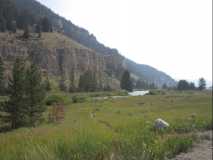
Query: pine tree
{"points": [[38, 30], [13, 26], [46, 25], [13, 110], [35, 94], [126, 82], [47, 84], [165, 86], [82, 83], [72, 81], [2, 88], [183, 85], [8, 14], [62, 84], [26, 34], [192, 86], [3, 26], [88, 82], [202, 84], [152, 86]]}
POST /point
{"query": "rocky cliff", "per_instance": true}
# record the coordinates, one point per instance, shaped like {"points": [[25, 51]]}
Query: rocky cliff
{"points": [[59, 55]]}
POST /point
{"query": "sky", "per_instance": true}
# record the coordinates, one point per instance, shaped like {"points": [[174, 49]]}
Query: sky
{"points": [[174, 36]]}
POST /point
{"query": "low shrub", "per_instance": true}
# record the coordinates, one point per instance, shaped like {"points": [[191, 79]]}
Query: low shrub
{"points": [[52, 99], [156, 92], [78, 99]]}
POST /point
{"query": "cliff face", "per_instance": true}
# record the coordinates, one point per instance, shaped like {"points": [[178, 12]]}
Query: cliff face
{"points": [[59, 56]]}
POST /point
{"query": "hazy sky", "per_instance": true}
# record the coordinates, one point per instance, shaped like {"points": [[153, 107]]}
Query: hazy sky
{"points": [[174, 36]]}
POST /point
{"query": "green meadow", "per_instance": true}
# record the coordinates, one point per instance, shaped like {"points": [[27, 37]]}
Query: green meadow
{"points": [[113, 129]]}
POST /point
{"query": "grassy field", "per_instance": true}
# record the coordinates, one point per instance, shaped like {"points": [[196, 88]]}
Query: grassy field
{"points": [[114, 129]]}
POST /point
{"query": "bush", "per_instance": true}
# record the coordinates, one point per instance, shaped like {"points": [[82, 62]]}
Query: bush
{"points": [[78, 99], [156, 92], [50, 100]]}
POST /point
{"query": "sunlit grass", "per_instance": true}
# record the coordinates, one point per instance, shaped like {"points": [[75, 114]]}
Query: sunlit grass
{"points": [[122, 128]]}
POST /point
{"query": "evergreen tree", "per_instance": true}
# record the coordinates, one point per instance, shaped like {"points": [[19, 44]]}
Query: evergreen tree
{"points": [[192, 86], [72, 81], [152, 86], [38, 30], [35, 94], [82, 83], [25, 18], [140, 84], [126, 82], [47, 85], [8, 14], [88, 82], [3, 26], [13, 110], [62, 84], [165, 86], [202, 84], [46, 25], [13, 26], [183, 85], [26, 33], [2, 88]]}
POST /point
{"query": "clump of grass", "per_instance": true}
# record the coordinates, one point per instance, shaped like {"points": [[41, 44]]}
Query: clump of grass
{"points": [[176, 145], [84, 147], [190, 125], [79, 99]]}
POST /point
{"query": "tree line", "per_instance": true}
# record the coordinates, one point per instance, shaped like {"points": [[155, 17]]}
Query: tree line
{"points": [[12, 19], [185, 85]]}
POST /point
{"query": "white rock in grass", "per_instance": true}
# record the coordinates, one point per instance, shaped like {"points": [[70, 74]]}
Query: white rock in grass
{"points": [[161, 124]]}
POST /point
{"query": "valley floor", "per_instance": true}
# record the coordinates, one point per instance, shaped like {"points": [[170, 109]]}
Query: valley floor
{"points": [[116, 129]]}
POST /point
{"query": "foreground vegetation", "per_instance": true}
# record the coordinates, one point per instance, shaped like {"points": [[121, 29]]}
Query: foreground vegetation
{"points": [[114, 129]]}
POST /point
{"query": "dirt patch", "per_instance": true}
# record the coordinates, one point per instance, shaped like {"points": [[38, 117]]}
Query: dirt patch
{"points": [[200, 151]]}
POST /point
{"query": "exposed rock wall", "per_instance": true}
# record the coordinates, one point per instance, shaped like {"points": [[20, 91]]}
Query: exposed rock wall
{"points": [[59, 55]]}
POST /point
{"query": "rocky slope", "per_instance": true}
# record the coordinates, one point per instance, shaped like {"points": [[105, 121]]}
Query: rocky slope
{"points": [[58, 55]]}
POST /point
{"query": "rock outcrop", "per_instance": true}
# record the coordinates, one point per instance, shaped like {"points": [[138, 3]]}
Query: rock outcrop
{"points": [[59, 55]]}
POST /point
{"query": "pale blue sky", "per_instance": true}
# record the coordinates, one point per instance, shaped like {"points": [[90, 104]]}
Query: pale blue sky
{"points": [[174, 36]]}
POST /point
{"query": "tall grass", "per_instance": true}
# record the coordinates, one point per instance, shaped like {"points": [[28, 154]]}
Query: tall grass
{"points": [[121, 129]]}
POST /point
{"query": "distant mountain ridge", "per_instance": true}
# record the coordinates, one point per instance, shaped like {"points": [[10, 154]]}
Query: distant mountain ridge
{"points": [[149, 74], [115, 63]]}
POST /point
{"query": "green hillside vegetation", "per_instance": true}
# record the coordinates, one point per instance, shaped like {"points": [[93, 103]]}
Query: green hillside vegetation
{"points": [[123, 128]]}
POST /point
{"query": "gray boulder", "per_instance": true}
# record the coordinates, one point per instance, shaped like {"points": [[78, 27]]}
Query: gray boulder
{"points": [[160, 124]]}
